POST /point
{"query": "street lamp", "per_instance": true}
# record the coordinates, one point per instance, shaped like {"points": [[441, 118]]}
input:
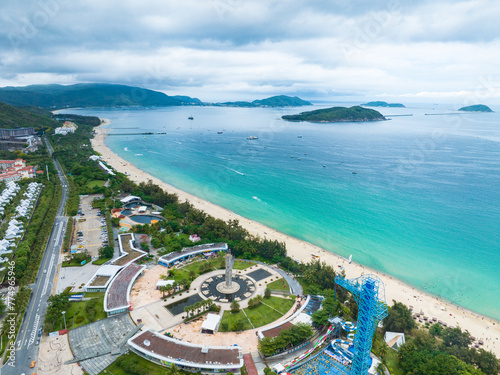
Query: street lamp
{"points": [[64, 317]]}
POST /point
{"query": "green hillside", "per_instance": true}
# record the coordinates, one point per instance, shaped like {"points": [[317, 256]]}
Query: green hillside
{"points": [[13, 117], [476, 108], [273, 101], [337, 114], [88, 95]]}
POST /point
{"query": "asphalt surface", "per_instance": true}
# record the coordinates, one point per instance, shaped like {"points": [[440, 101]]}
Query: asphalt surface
{"points": [[26, 348]]}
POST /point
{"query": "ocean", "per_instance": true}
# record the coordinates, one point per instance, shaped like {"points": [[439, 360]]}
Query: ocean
{"points": [[416, 197]]}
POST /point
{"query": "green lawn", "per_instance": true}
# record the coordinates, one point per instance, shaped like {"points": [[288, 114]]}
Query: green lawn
{"points": [[280, 285], [77, 316], [150, 367], [67, 263], [92, 184], [183, 273], [264, 314], [100, 261], [232, 319]]}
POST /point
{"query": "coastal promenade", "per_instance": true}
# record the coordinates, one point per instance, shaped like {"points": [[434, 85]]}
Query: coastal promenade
{"points": [[483, 328]]}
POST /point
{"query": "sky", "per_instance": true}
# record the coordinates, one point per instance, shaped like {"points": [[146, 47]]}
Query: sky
{"points": [[217, 50]]}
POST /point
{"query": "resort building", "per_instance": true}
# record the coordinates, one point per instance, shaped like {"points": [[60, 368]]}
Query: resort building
{"points": [[186, 356], [68, 127], [12, 170], [169, 260]]}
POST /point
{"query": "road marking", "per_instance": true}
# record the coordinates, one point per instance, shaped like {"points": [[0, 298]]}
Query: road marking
{"points": [[58, 234], [47, 279], [34, 332]]}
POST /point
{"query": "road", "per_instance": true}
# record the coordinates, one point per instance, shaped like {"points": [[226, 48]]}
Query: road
{"points": [[26, 348]]}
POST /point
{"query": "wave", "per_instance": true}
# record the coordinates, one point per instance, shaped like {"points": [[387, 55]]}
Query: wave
{"points": [[234, 170], [126, 148]]}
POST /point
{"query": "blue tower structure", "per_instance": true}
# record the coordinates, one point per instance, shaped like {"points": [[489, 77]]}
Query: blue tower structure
{"points": [[368, 291]]}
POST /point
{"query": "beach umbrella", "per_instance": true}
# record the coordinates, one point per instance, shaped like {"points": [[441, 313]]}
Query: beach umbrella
{"points": [[481, 342]]}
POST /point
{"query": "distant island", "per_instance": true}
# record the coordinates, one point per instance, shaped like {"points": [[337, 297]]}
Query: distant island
{"points": [[273, 101], [89, 95], [337, 114], [383, 104], [476, 108]]}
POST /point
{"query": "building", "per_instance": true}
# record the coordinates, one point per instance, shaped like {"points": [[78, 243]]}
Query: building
{"points": [[394, 339], [19, 132], [211, 324], [12, 170], [68, 127], [117, 297], [169, 260], [102, 278], [167, 351], [162, 283]]}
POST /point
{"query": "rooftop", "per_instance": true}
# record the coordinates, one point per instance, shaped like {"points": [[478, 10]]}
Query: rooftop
{"points": [[117, 295], [180, 352]]}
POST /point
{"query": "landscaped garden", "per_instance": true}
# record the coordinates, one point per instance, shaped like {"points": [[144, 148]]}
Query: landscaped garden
{"points": [[269, 310], [85, 312], [279, 285]]}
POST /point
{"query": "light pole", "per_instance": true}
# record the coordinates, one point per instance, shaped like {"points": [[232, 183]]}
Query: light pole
{"points": [[64, 317]]}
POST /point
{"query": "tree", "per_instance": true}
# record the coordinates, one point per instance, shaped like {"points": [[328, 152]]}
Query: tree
{"points": [[455, 337], [486, 361], [169, 288], [3, 307], [267, 293], [192, 274], [399, 318], [106, 252], [380, 368], [56, 305], [235, 307], [320, 317]]}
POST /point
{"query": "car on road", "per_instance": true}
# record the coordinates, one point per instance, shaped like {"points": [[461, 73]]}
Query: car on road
{"points": [[32, 364]]}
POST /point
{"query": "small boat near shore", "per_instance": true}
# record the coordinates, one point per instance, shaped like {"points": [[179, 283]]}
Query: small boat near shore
{"points": [[252, 138], [190, 118]]}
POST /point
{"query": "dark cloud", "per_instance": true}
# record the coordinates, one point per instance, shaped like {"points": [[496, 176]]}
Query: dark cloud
{"points": [[281, 46]]}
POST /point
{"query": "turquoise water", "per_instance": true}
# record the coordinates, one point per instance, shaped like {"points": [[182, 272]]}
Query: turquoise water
{"points": [[423, 205]]}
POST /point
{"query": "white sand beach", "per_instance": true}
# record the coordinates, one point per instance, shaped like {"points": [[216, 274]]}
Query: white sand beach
{"points": [[482, 328]]}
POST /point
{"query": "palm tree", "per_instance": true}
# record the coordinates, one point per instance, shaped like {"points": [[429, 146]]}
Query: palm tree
{"points": [[163, 289], [169, 288], [380, 368], [175, 286]]}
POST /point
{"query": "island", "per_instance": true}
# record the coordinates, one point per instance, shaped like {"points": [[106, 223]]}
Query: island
{"points": [[383, 104], [476, 108], [337, 114], [273, 101]]}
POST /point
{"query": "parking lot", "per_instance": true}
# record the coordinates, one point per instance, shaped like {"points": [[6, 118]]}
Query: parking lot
{"points": [[90, 229]]}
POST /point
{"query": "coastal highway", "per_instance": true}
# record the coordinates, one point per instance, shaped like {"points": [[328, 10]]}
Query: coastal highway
{"points": [[26, 347]]}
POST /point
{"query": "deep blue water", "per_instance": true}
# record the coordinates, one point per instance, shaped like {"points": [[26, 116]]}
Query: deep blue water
{"points": [[423, 205]]}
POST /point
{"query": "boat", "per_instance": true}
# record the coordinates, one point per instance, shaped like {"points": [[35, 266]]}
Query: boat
{"points": [[291, 156], [350, 259], [219, 132], [252, 137], [299, 136], [299, 159], [354, 172], [190, 118], [324, 166]]}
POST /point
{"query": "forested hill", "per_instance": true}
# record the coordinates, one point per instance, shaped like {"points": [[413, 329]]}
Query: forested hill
{"points": [[89, 95], [383, 104], [337, 114], [476, 108], [273, 101], [13, 117]]}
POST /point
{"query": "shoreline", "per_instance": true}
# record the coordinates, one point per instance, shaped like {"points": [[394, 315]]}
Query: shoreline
{"points": [[482, 327]]}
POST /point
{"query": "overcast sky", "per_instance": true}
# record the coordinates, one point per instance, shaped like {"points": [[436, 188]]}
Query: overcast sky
{"points": [[415, 50]]}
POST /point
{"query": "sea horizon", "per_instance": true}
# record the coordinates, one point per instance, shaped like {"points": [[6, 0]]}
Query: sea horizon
{"points": [[413, 197]]}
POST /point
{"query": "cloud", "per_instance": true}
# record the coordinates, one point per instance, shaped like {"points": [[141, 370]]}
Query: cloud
{"points": [[217, 48]]}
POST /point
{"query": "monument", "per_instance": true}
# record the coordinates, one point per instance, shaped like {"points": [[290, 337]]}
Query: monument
{"points": [[227, 286]]}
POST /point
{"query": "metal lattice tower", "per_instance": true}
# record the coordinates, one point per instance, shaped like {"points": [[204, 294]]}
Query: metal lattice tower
{"points": [[368, 291]]}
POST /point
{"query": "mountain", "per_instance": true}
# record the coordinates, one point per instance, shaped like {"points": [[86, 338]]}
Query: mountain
{"points": [[89, 95], [476, 108], [273, 101], [383, 104], [13, 117], [337, 114]]}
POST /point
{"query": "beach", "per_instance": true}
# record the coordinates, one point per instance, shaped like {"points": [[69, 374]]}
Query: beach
{"points": [[482, 328]]}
